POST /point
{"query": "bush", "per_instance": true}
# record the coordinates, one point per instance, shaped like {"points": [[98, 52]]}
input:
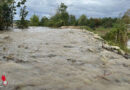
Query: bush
{"points": [[44, 21], [82, 21], [118, 35], [34, 20], [22, 24]]}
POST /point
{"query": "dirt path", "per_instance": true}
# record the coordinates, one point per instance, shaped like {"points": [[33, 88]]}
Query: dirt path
{"points": [[62, 59]]}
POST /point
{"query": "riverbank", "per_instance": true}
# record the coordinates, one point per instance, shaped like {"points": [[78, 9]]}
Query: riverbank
{"points": [[60, 59]]}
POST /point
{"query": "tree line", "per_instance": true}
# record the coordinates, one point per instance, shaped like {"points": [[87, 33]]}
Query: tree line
{"points": [[62, 18]]}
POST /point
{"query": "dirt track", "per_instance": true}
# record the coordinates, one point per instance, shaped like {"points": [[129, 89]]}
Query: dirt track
{"points": [[62, 59]]}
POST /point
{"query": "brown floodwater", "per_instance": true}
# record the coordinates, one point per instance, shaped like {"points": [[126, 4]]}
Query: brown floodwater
{"points": [[41, 58]]}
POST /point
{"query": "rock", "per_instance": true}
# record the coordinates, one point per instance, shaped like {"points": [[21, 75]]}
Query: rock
{"points": [[9, 57], [91, 50], [6, 37], [127, 56], [97, 37], [121, 52], [125, 65], [106, 46], [26, 47], [71, 60], [104, 60], [20, 46], [115, 49], [68, 46], [21, 61], [51, 55]]}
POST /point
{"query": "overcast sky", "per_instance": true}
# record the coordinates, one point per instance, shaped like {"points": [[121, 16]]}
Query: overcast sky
{"points": [[91, 8]]}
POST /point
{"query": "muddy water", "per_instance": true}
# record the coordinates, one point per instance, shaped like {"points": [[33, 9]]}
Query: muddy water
{"points": [[41, 58], [33, 29]]}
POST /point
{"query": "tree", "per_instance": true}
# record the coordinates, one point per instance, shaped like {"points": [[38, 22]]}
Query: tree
{"points": [[60, 18], [91, 23], [82, 21], [121, 36], [72, 20], [7, 11], [108, 22], [56, 21], [64, 16], [34, 20], [126, 17], [62, 8], [23, 23], [44, 21], [118, 35]]}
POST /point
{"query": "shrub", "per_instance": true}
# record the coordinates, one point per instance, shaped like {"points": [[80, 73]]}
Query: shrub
{"points": [[34, 20], [118, 35]]}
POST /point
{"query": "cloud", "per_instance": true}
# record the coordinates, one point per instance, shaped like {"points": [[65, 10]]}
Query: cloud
{"points": [[91, 8]]}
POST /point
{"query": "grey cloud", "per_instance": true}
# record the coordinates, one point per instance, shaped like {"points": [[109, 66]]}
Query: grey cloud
{"points": [[92, 8]]}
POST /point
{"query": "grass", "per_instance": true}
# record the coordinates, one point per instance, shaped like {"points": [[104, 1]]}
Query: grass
{"points": [[101, 31]]}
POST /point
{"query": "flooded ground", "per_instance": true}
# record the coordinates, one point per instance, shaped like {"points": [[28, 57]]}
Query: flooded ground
{"points": [[41, 58]]}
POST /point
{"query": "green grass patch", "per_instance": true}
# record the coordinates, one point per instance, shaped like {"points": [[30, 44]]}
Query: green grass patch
{"points": [[99, 30], [86, 28]]}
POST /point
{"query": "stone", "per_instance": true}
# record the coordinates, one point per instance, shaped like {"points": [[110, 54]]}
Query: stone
{"points": [[96, 36], [6, 37], [115, 49]]}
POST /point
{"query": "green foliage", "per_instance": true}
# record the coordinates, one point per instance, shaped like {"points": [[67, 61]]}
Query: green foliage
{"points": [[82, 21], [108, 22], [72, 20], [7, 11], [128, 35], [101, 22], [126, 17], [118, 35], [44, 21], [62, 15], [34, 20], [62, 8], [23, 23], [60, 18], [21, 2]]}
